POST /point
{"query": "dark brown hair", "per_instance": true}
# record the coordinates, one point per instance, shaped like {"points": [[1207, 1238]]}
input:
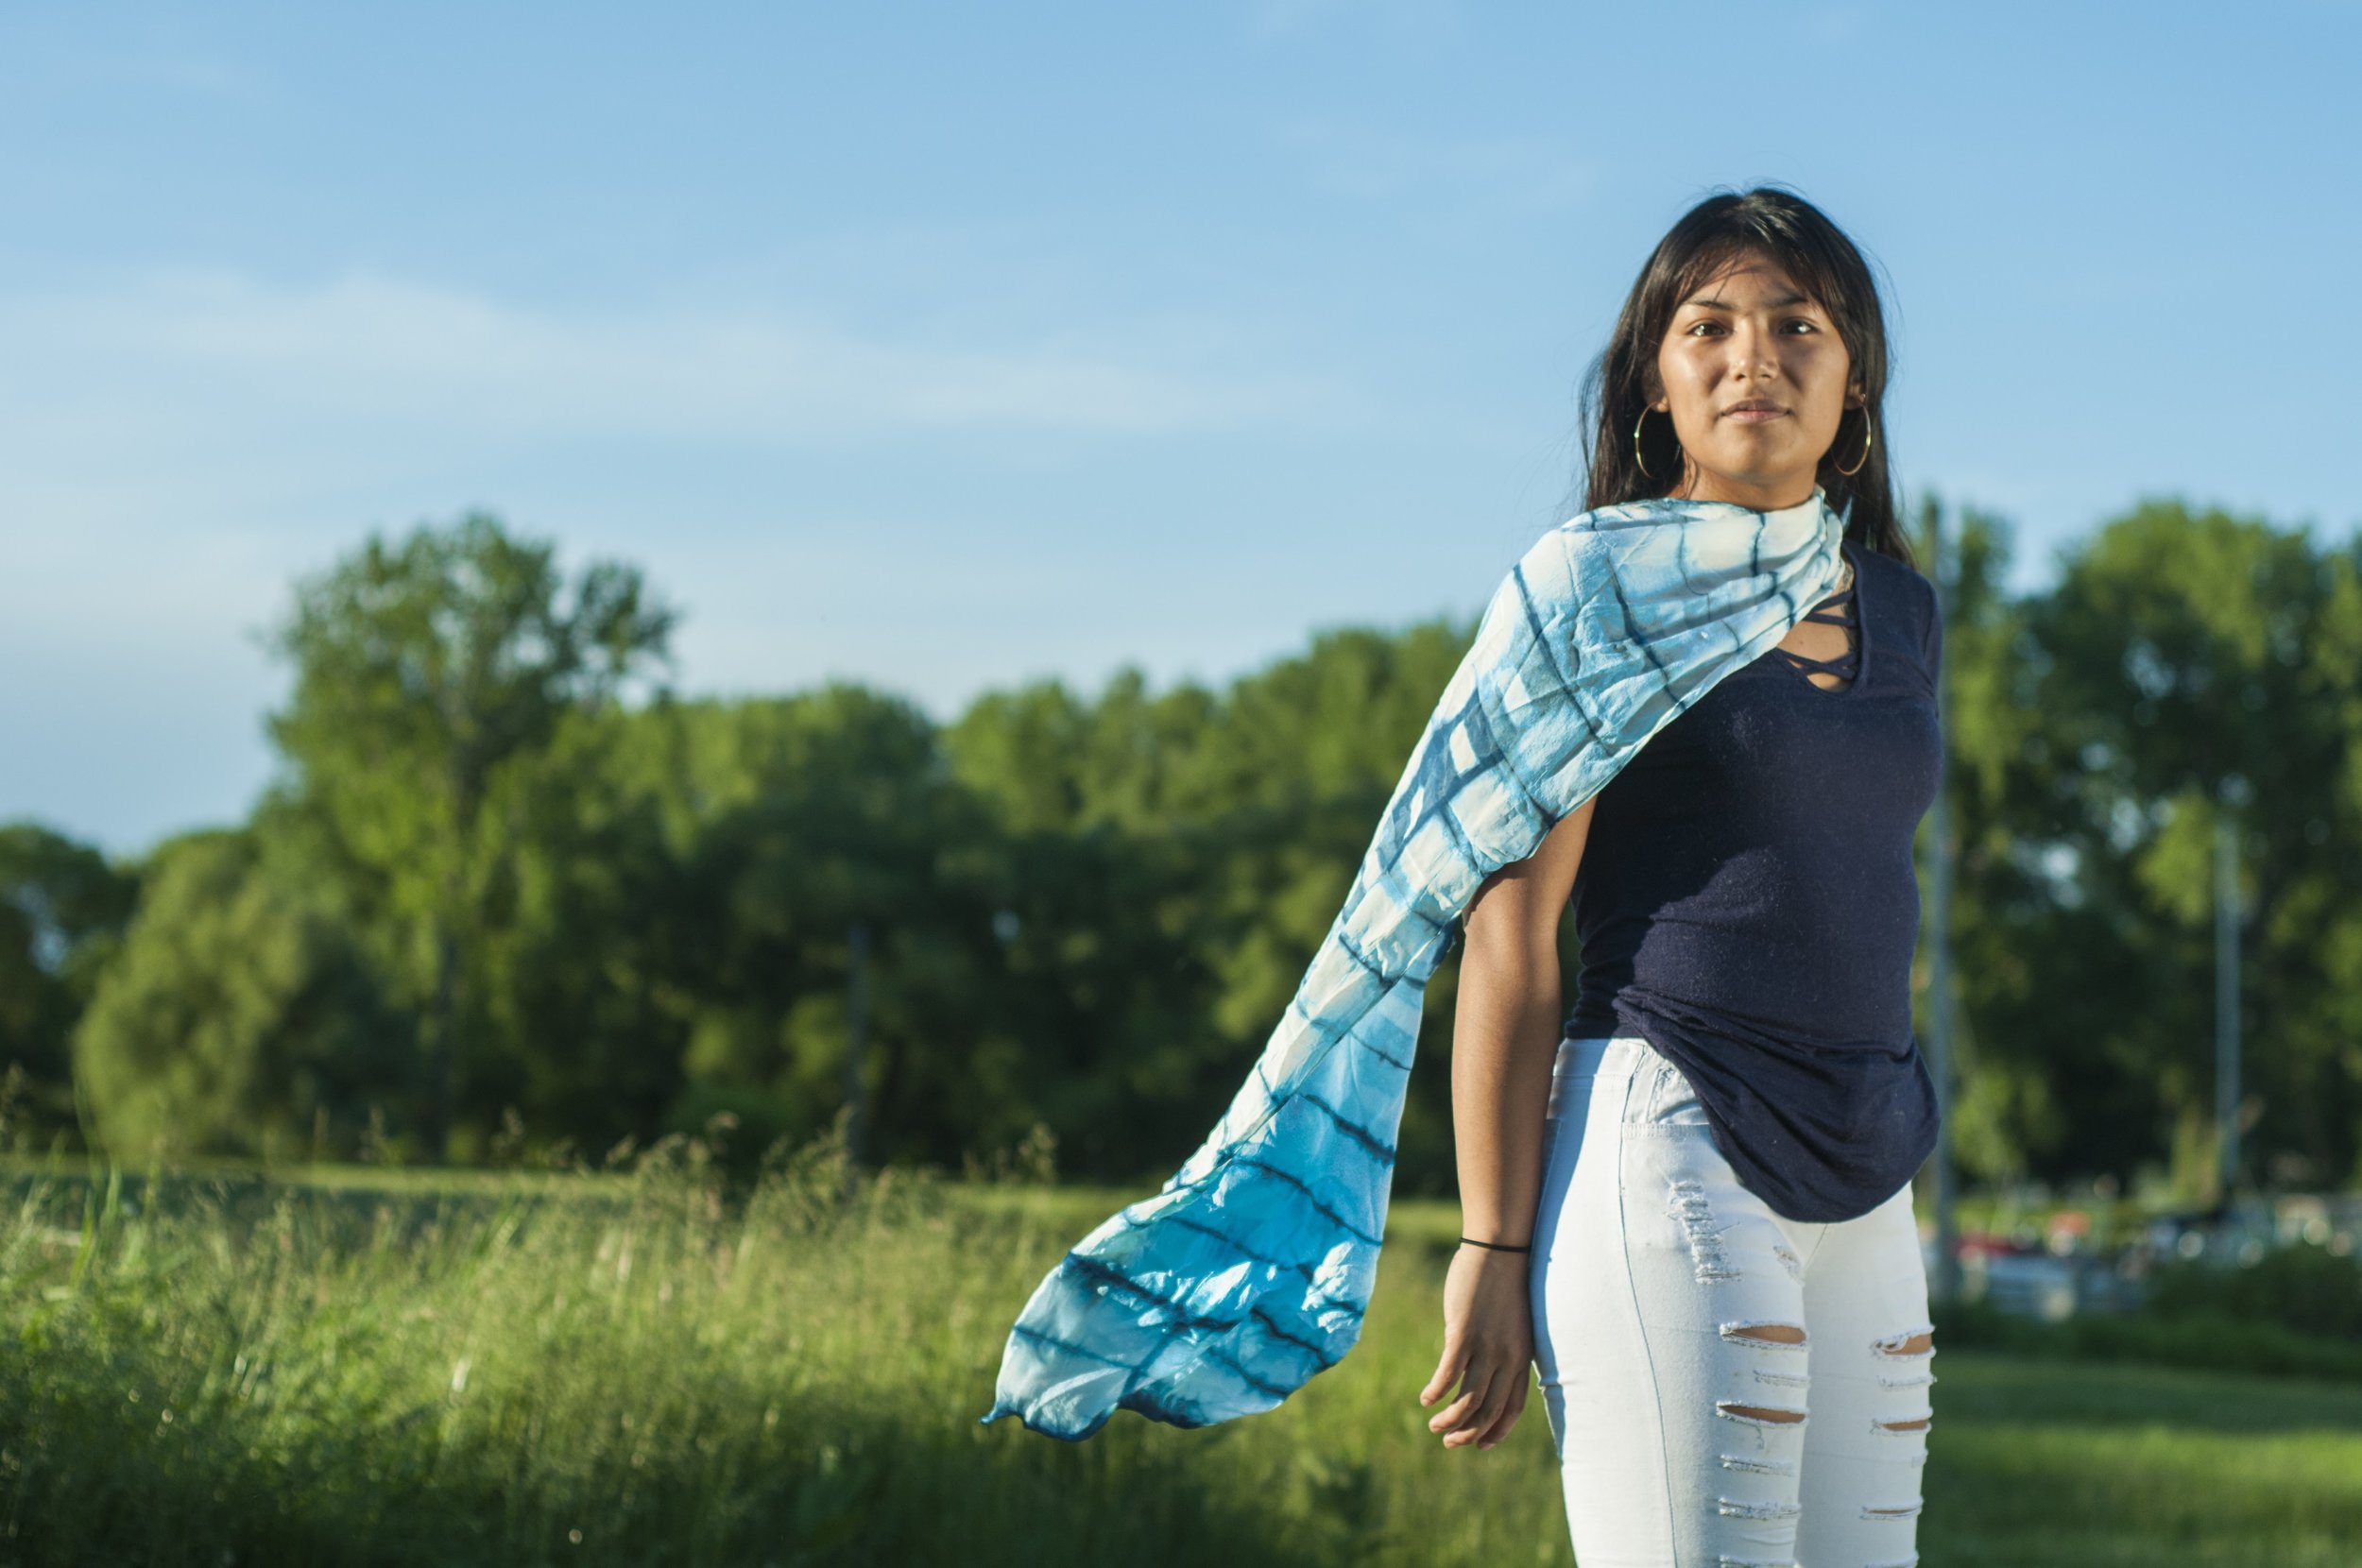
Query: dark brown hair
{"points": [[1827, 266]]}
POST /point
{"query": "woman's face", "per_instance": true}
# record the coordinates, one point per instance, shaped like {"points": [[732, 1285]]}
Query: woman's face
{"points": [[1756, 379]]}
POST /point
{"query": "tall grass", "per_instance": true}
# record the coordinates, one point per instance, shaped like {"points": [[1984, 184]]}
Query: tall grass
{"points": [[647, 1365]]}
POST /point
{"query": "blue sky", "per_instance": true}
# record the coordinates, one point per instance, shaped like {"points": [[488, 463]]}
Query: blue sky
{"points": [[946, 347]]}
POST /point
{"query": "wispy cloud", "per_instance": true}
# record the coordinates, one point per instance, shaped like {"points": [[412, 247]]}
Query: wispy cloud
{"points": [[1377, 163], [201, 76], [194, 349], [47, 56], [1835, 24]]}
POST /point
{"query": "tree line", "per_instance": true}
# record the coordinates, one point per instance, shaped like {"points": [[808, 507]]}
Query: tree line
{"points": [[509, 890]]}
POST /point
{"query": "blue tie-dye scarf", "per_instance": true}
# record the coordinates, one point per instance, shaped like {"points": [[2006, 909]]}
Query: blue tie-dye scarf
{"points": [[1249, 1271]]}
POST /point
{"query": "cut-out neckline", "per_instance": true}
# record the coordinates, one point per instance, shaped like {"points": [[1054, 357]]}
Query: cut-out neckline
{"points": [[1833, 611]]}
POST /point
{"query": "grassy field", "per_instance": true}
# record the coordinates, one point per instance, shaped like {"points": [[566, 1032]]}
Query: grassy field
{"points": [[623, 1368]]}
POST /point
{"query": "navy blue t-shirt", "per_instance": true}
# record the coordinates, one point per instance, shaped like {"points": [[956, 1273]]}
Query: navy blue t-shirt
{"points": [[1746, 902]]}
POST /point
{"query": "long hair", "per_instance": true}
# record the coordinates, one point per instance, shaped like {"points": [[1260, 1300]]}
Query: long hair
{"points": [[1828, 267]]}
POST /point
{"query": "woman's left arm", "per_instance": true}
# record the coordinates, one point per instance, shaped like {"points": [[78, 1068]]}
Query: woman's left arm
{"points": [[1504, 1034]]}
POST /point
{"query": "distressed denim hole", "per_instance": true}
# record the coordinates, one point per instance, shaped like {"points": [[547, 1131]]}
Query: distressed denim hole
{"points": [[1766, 1333], [1686, 1200], [1739, 1508], [1758, 1415], [1919, 1343]]}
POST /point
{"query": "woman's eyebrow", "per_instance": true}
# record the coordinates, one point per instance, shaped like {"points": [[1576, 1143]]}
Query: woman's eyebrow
{"points": [[1781, 304]]}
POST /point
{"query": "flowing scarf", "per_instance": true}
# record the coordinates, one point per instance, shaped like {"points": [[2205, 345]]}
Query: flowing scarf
{"points": [[1249, 1271]]}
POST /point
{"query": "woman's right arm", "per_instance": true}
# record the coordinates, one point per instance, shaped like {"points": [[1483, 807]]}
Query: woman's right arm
{"points": [[1504, 1043]]}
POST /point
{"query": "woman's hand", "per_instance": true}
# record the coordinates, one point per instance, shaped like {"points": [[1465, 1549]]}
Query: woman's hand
{"points": [[1488, 1348]]}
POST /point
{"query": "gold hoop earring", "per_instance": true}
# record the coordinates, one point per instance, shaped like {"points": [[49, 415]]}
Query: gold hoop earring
{"points": [[1635, 442], [1867, 435]]}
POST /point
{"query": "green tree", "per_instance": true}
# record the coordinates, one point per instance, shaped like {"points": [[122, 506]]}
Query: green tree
{"points": [[790, 820], [1170, 863], [236, 1016], [2186, 663], [425, 669], [62, 908]]}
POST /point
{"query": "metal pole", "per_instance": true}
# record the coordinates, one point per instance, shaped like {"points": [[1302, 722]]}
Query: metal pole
{"points": [[1944, 1284], [2227, 993]]}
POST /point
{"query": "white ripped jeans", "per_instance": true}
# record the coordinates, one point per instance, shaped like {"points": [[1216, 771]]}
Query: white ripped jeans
{"points": [[1725, 1386]]}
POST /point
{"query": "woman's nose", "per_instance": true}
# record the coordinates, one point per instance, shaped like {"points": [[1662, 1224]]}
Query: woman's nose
{"points": [[1751, 355]]}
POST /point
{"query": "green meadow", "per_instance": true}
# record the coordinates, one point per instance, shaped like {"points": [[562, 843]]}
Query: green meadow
{"points": [[648, 1365]]}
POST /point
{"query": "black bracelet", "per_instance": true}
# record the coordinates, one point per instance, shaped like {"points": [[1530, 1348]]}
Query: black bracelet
{"points": [[1495, 1245]]}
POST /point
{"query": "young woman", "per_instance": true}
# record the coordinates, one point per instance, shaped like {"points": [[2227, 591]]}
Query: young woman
{"points": [[1695, 1221]]}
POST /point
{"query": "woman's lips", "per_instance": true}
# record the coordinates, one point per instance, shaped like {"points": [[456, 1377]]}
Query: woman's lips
{"points": [[1756, 416]]}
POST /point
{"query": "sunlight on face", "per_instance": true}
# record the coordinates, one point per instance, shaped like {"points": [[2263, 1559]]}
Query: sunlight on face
{"points": [[1755, 379]]}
